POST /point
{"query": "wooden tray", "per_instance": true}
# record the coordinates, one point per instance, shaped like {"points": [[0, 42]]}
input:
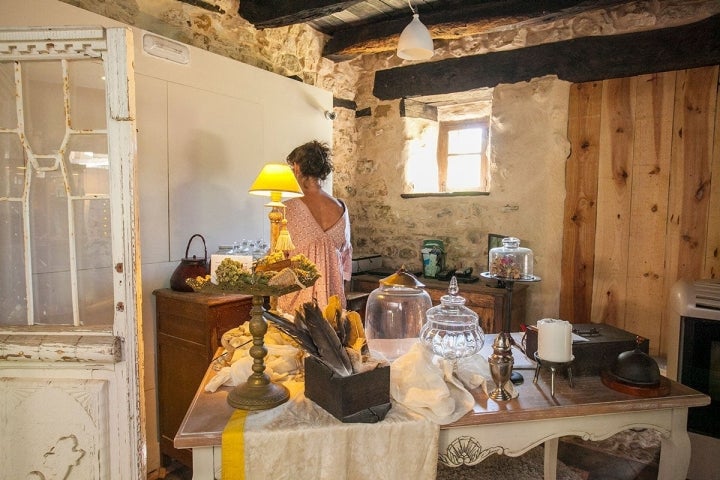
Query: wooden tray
{"points": [[612, 381]]}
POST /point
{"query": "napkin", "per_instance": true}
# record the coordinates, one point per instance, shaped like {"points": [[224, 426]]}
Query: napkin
{"points": [[438, 388]]}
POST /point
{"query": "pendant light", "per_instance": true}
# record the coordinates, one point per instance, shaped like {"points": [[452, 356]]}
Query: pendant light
{"points": [[415, 41]]}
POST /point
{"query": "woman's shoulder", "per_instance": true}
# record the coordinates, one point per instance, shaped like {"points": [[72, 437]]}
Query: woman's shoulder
{"points": [[293, 203]]}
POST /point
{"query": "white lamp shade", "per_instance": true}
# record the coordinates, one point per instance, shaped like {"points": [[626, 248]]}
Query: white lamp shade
{"points": [[415, 41]]}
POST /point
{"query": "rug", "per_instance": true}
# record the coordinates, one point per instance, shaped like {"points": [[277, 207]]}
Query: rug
{"points": [[627, 454], [641, 445], [496, 467]]}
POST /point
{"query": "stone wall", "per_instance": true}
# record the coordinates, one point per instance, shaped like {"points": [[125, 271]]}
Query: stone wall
{"points": [[528, 151], [528, 128]]}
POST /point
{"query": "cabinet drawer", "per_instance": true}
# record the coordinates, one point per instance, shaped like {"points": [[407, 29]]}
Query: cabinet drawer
{"points": [[190, 328], [229, 316]]}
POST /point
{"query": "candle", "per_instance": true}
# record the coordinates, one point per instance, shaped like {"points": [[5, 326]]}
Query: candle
{"points": [[554, 340]]}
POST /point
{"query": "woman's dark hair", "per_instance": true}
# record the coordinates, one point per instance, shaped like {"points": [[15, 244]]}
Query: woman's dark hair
{"points": [[314, 158]]}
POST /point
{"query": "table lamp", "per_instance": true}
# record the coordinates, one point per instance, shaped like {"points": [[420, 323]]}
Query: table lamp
{"points": [[258, 392], [276, 181]]}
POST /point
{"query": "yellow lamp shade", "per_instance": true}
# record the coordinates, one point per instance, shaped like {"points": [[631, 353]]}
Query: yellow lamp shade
{"points": [[276, 180]]}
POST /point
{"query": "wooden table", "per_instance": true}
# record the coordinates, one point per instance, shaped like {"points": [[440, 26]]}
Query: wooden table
{"points": [[589, 410]]}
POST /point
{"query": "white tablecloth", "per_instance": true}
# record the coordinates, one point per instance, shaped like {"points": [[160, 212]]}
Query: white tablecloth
{"points": [[300, 441]]}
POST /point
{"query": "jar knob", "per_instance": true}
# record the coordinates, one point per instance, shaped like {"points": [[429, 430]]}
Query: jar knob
{"points": [[511, 242], [453, 287]]}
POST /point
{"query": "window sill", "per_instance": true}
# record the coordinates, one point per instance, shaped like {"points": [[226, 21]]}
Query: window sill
{"points": [[445, 194]]}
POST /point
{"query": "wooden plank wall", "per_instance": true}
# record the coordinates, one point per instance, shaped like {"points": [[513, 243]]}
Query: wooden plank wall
{"points": [[640, 210]]}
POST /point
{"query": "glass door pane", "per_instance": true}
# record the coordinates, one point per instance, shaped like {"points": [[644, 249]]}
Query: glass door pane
{"points": [[55, 194]]}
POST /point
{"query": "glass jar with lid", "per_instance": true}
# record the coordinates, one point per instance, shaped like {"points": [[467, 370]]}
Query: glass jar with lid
{"points": [[395, 313], [511, 261], [451, 329]]}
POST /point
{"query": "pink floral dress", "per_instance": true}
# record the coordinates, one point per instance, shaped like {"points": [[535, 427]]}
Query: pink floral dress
{"points": [[330, 250]]}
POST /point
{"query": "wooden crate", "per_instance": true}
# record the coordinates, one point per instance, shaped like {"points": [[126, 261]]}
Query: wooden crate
{"points": [[359, 398]]}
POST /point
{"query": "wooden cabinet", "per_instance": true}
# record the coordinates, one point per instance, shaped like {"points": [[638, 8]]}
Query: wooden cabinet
{"points": [[189, 328], [487, 300]]}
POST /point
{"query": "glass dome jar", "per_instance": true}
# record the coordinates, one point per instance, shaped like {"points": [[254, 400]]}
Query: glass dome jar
{"points": [[451, 329], [511, 260], [395, 313]]}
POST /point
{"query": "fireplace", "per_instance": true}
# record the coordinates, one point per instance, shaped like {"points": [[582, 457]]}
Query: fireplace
{"points": [[694, 360]]}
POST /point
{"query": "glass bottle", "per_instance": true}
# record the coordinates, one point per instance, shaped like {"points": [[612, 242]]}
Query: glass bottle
{"points": [[260, 249], [395, 313], [511, 261], [225, 250], [451, 329], [244, 248]]}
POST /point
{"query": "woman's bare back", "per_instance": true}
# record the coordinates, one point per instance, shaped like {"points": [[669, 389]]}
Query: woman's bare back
{"points": [[325, 209]]}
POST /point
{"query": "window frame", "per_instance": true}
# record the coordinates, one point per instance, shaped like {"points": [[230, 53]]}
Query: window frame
{"points": [[444, 129]]}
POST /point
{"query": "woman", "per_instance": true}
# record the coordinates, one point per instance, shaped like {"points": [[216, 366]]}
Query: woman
{"points": [[319, 226]]}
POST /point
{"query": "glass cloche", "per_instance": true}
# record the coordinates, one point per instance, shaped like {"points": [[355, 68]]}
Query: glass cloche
{"points": [[511, 261], [395, 313], [451, 329]]}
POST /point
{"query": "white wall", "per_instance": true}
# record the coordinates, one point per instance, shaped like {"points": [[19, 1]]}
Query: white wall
{"points": [[204, 131]]}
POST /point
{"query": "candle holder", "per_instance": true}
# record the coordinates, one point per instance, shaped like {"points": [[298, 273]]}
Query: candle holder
{"points": [[258, 392], [509, 284], [553, 367], [501, 363]]}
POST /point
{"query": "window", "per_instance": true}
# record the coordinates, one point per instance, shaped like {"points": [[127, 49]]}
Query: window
{"points": [[462, 159], [447, 156]]}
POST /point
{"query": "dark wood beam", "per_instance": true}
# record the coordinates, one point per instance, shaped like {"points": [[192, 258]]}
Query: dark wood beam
{"points": [[578, 60], [413, 109], [205, 5], [280, 13], [370, 32], [465, 18]]}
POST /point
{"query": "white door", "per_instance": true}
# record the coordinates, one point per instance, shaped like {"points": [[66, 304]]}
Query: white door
{"points": [[71, 405]]}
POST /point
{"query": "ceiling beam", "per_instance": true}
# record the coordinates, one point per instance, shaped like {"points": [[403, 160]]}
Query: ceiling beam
{"points": [[281, 13], [468, 17], [446, 20], [579, 60]]}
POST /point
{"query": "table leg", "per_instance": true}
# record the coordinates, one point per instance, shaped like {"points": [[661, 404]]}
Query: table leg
{"points": [[550, 459], [675, 450], [203, 463]]}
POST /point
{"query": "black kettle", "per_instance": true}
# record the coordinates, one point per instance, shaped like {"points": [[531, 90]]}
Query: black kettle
{"points": [[189, 268]]}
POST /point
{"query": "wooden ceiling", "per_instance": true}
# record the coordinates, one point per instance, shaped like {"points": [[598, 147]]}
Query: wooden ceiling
{"points": [[370, 26], [356, 27]]}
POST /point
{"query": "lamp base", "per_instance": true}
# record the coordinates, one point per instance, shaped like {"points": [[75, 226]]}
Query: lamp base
{"points": [[258, 392], [247, 396]]}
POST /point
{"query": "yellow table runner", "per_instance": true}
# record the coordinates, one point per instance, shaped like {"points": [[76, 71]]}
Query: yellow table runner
{"points": [[233, 447]]}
